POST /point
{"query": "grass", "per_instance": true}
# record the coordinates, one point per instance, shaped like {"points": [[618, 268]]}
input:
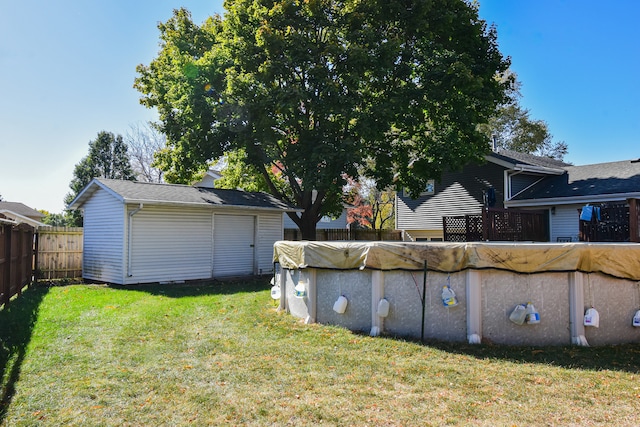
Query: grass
{"points": [[220, 354]]}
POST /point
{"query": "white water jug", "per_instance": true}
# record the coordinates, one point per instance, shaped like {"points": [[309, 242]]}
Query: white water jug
{"points": [[340, 305], [592, 318]]}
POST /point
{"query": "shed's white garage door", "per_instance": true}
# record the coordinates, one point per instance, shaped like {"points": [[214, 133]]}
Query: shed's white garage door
{"points": [[234, 246]]}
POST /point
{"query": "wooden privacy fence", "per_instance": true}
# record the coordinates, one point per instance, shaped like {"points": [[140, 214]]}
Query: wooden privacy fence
{"points": [[614, 222], [59, 254], [634, 220], [346, 234], [16, 259], [497, 225]]}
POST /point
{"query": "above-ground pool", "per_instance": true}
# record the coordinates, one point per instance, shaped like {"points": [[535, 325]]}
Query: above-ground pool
{"points": [[471, 290]]}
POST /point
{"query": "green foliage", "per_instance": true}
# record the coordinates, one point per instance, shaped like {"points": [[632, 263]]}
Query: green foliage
{"points": [[107, 158], [515, 130], [64, 219], [237, 173], [319, 89]]}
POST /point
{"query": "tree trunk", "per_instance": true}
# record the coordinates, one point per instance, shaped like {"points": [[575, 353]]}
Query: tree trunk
{"points": [[308, 228]]}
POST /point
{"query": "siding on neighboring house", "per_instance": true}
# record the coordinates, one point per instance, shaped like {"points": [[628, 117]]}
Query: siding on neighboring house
{"points": [[170, 244], [450, 197], [565, 222], [325, 223], [104, 239], [270, 231]]}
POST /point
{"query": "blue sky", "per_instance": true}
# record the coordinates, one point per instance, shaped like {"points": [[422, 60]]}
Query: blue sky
{"points": [[67, 69]]}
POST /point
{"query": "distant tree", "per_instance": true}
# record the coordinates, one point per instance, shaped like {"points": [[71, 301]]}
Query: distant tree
{"points": [[144, 141], [57, 219], [319, 88], [515, 130], [1, 199], [372, 207], [107, 158]]}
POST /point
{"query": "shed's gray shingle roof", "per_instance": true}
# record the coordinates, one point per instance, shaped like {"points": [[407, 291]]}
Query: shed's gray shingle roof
{"points": [[21, 209], [589, 180], [153, 193]]}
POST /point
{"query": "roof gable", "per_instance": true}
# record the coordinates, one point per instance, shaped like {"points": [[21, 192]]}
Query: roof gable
{"points": [[175, 194]]}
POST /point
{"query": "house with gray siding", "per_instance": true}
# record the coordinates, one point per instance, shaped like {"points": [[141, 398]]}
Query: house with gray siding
{"points": [[502, 176], [139, 232], [512, 180]]}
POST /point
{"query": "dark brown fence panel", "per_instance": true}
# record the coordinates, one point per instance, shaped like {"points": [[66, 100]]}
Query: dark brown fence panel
{"points": [[465, 228], [634, 220], [346, 234], [517, 225], [497, 225], [612, 226], [16, 259], [59, 252]]}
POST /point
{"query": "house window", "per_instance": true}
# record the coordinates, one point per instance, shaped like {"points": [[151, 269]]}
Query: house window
{"points": [[429, 189], [325, 219]]}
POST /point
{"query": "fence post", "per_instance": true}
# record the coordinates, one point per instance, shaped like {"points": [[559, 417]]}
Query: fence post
{"points": [[6, 285], [485, 224]]}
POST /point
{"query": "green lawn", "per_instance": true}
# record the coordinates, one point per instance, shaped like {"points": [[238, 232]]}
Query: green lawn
{"points": [[212, 354]]}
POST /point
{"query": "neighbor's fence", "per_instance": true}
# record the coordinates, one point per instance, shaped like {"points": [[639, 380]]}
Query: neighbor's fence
{"points": [[346, 234], [634, 220], [16, 259], [59, 254], [497, 225], [613, 224]]}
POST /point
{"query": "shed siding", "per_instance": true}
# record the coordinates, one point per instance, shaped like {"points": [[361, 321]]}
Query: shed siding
{"points": [[458, 193], [565, 223], [104, 239], [170, 244], [269, 232]]}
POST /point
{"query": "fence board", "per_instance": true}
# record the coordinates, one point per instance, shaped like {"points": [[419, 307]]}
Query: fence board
{"points": [[613, 225], [16, 259], [59, 252], [497, 225], [346, 234]]}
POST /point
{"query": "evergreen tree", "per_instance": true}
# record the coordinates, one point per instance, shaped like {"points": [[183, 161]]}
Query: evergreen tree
{"points": [[107, 158]]}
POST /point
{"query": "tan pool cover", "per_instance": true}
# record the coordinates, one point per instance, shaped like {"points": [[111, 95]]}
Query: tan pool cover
{"points": [[616, 259]]}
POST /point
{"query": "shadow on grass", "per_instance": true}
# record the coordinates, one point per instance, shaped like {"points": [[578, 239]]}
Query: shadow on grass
{"points": [[616, 358], [17, 320], [624, 357], [204, 287]]}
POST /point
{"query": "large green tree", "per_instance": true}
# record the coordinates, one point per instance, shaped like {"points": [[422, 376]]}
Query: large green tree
{"points": [[324, 89], [107, 158]]}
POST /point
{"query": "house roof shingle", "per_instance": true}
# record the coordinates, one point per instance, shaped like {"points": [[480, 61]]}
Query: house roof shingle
{"points": [[21, 209], [612, 178], [153, 193], [529, 159]]}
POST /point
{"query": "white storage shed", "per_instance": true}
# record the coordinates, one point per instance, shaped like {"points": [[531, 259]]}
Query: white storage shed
{"points": [[139, 232]]}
